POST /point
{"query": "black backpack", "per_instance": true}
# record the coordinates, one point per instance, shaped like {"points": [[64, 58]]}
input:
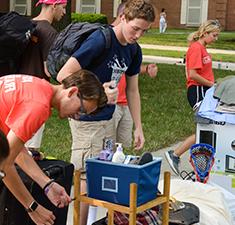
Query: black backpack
{"points": [[15, 34], [69, 40]]}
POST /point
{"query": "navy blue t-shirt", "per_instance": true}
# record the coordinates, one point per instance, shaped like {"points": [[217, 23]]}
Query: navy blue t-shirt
{"points": [[120, 59]]}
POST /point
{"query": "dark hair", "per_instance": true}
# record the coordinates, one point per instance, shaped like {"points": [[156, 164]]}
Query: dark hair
{"points": [[4, 146], [163, 9], [89, 86], [140, 9]]}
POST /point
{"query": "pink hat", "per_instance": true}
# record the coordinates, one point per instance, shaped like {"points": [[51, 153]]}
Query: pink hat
{"points": [[51, 2]]}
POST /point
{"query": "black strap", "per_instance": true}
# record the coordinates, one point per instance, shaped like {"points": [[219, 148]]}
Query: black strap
{"points": [[107, 35]]}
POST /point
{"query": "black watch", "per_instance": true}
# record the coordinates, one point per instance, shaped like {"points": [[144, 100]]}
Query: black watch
{"points": [[32, 207]]}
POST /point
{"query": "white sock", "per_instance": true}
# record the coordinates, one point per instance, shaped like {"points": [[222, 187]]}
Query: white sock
{"points": [[91, 214]]}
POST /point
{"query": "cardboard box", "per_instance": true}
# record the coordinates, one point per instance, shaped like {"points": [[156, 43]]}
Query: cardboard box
{"points": [[110, 181]]}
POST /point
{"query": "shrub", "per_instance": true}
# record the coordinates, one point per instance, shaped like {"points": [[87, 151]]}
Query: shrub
{"points": [[89, 17]]}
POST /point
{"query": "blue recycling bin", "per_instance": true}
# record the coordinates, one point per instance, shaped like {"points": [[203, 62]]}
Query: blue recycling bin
{"points": [[110, 181]]}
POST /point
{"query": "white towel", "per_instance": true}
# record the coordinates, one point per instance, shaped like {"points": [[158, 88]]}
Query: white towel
{"points": [[210, 199]]}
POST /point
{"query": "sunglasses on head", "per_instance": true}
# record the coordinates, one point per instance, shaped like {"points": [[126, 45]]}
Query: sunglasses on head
{"points": [[216, 23]]}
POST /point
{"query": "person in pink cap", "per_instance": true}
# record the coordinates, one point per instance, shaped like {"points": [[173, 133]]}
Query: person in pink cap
{"points": [[33, 61], [51, 2]]}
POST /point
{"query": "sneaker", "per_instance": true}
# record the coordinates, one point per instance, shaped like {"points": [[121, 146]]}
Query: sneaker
{"points": [[173, 161]]}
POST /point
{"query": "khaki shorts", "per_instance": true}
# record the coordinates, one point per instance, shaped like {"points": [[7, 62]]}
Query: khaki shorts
{"points": [[87, 140], [36, 140], [123, 124]]}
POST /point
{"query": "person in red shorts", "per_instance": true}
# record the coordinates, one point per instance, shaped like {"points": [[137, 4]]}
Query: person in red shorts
{"points": [[199, 77], [26, 103]]}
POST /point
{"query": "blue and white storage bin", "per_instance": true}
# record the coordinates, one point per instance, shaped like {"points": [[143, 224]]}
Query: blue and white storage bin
{"points": [[110, 181]]}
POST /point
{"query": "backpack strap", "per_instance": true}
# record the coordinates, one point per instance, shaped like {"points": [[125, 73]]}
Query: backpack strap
{"points": [[107, 35]]}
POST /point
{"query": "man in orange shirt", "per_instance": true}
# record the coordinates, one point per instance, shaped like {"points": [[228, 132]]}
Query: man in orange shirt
{"points": [[26, 103]]}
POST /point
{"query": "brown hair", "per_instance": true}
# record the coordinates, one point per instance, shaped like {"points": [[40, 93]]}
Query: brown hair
{"points": [[139, 9], [89, 86], [206, 27], [121, 8]]}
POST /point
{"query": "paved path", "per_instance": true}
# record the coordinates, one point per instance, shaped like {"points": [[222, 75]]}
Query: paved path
{"points": [[177, 48], [179, 61]]}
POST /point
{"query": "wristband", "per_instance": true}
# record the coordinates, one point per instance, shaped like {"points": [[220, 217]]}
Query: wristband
{"points": [[47, 186]]}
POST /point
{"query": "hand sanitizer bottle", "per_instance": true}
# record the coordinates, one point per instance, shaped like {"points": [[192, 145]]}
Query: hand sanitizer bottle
{"points": [[118, 156]]}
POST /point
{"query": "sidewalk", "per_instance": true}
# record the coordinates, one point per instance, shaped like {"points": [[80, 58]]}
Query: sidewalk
{"points": [[185, 165], [179, 61], [177, 48]]}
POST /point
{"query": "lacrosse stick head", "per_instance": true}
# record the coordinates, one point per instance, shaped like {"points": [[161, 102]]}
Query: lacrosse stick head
{"points": [[202, 160]]}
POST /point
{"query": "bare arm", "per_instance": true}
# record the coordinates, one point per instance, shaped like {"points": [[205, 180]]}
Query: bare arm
{"points": [[56, 193], [46, 70], [133, 98], [71, 66], [16, 186], [201, 80]]}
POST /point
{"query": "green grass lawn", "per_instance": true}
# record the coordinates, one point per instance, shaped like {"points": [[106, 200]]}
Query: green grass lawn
{"points": [[178, 37], [166, 115]]}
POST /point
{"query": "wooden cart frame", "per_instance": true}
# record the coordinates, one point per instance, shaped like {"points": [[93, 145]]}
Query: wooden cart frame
{"points": [[132, 210]]}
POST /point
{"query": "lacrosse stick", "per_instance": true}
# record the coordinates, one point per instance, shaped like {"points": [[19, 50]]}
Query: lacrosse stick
{"points": [[188, 175], [202, 160]]}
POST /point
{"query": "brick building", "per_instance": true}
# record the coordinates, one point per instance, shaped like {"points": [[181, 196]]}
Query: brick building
{"points": [[180, 13]]}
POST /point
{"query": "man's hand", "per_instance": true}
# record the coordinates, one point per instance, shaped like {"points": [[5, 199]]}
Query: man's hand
{"points": [[138, 139], [57, 195], [111, 91], [42, 216], [152, 70]]}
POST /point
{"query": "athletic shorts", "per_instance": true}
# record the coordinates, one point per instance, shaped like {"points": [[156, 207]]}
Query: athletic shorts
{"points": [[196, 94]]}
